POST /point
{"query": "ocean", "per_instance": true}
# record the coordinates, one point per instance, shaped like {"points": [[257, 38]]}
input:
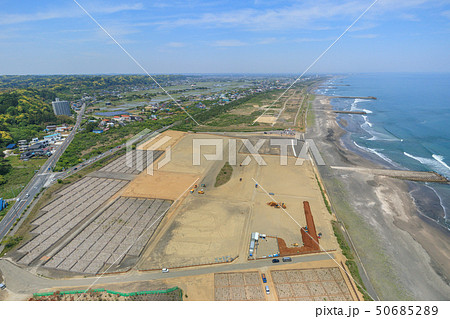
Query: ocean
{"points": [[406, 127]]}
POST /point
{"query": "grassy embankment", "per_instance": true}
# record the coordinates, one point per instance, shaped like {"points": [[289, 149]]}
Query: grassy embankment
{"points": [[310, 116], [224, 175], [325, 200], [350, 262], [23, 233]]}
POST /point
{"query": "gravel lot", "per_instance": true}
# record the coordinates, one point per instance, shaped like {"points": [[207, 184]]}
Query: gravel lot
{"points": [[311, 284], [73, 205], [139, 160], [122, 229], [238, 286]]}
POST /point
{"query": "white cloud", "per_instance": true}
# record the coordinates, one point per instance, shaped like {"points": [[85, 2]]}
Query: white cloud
{"points": [[299, 16], [401, 4], [118, 8], [176, 44], [312, 39], [307, 14], [268, 41], [409, 17], [365, 36], [61, 13], [228, 43]]}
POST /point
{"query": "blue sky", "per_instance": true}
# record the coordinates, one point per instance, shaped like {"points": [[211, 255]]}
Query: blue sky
{"points": [[57, 37]]}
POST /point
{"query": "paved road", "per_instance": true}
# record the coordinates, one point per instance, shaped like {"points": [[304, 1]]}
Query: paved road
{"points": [[22, 281], [39, 180]]}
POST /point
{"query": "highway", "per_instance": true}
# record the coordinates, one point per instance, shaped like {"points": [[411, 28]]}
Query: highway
{"points": [[39, 180]]}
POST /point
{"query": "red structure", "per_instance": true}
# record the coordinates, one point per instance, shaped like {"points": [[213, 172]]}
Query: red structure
{"points": [[309, 237]]}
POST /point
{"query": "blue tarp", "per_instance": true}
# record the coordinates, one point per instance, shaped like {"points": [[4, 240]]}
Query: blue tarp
{"points": [[3, 204]]}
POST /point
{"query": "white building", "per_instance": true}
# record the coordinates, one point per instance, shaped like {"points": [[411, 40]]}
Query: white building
{"points": [[61, 107]]}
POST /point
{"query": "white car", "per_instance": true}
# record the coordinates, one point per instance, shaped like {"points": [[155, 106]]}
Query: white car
{"points": [[164, 270]]}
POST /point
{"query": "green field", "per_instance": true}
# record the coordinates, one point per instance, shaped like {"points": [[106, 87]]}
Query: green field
{"points": [[224, 175], [19, 175]]}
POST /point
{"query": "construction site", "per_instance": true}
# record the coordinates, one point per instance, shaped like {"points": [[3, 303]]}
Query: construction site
{"points": [[169, 215]]}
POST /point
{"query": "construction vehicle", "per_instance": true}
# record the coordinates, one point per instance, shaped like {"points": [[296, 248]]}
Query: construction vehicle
{"points": [[195, 186], [191, 191], [201, 191], [203, 185], [276, 205], [295, 244]]}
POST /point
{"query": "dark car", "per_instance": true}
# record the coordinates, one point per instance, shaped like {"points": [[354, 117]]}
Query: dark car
{"points": [[275, 260]]}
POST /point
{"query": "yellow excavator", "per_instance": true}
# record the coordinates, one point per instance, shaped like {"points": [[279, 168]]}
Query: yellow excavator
{"points": [[276, 205]]}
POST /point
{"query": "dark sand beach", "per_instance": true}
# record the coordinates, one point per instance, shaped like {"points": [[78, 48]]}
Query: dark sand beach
{"points": [[405, 254]]}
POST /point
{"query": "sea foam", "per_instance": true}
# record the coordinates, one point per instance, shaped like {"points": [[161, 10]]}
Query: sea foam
{"points": [[435, 163], [376, 152]]}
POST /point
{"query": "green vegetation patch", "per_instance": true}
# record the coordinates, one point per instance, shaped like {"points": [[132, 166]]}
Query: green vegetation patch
{"points": [[351, 263], [19, 175], [224, 175], [171, 294], [25, 113], [218, 116], [325, 200], [310, 116], [10, 242]]}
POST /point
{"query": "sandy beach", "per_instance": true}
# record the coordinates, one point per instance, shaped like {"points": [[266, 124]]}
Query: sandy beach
{"points": [[406, 255]]}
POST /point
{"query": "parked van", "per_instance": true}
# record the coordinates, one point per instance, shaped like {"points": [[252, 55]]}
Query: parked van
{"points": [[267, 290], [285, 259]]}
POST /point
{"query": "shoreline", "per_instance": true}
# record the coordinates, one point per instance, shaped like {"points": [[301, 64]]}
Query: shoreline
{"points": [[395, 242]]}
